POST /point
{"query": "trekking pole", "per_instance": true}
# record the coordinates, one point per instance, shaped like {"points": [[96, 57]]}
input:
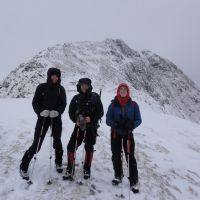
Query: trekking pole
{"points": [[29, 182], [128, 159], [122, 196], [73, 166], [50, 154], [83, 149], [100, 93]]}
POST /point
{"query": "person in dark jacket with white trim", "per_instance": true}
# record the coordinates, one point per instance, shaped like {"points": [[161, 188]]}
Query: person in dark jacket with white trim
{"points": [[49, 103]]}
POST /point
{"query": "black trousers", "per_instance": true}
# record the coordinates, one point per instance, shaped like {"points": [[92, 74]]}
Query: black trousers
{"points": [[116, 148], [90, 139], [45, 123]]}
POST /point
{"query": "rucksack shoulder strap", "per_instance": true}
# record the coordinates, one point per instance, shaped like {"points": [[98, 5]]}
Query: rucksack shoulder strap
{"points": [[113, 104], [94, 97], [134, 103]]}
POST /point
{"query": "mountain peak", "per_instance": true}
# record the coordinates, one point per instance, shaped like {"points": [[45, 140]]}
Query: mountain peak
{"points": [[156, 80]]}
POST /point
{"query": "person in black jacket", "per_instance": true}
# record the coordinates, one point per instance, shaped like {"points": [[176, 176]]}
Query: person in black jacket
{"points": [[49, 103], [85, 110]]}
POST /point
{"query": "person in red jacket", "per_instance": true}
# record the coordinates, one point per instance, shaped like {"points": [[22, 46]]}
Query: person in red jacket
{"points": [[123, 116]]}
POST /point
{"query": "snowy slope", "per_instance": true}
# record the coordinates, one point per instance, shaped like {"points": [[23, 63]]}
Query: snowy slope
{"points": [[167, 150], [157, 80]]}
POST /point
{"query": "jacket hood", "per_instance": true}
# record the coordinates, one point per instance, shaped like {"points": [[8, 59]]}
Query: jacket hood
{"points": [[86, 81], [53, 71], [123, 85], [123, 100]]}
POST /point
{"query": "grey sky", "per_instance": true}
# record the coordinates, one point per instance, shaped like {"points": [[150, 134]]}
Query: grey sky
{"points": [[170, 28]]}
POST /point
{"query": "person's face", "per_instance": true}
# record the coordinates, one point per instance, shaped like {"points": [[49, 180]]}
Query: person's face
{"points": [[84, 88], [54, 79], [123, 91]]}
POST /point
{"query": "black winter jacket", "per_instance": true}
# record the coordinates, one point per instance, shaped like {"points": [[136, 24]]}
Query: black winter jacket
{"points": [[87, 105], [49, 97]]}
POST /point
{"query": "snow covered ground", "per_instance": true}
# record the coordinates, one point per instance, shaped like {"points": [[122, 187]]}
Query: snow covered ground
{"points": [[167, 151]]}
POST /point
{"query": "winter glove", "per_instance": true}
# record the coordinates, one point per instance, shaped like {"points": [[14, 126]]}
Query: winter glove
{"points": [[128, 125], [120, 124], [81, 122], [45, 113], [124, 123], [53, 114]]}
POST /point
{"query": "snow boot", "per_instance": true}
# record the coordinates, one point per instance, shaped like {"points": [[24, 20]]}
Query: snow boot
{"points": [[86, 173], [58, 160], [23, 169], [87, 164], [59, 168], [135, 188], [116, 181], [68, 174], [24, 174]]}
